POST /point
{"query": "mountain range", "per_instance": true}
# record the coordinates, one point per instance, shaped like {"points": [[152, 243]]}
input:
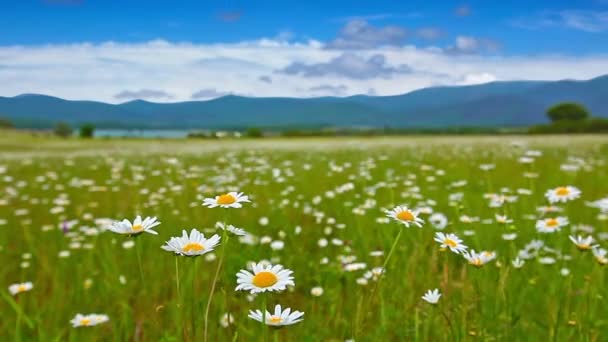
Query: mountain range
{"points": [[495, 104]]}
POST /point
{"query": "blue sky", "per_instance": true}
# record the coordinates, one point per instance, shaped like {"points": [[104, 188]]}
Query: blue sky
{"points": [[314, 47], [510, 23]]}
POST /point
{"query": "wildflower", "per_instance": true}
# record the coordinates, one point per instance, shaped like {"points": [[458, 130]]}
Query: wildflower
{"points": [[450, 241], [583, 244], [89, 320], [20, 287], [374, 274], [562, 194], [226, 320], [405, 216], [316, 291], [265, 277], [191, 245], [600, 256], [229, 200], [438, 220], [550, 225], [476, 259], [432, 296], [137, 227], [279, 318], [503, 219], [231, 229]]}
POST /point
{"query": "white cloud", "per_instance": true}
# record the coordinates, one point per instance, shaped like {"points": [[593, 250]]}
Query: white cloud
{"points": [[142, 94], [100, 71], [347, 65], [359, 34]]}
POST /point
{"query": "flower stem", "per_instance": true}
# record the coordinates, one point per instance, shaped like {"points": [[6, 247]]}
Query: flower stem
{"points": [[177, 279], [264, 325], [388, 258], [141, 270], [217, 272]]}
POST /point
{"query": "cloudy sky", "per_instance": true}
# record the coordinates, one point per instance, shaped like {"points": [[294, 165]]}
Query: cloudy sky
{"points": [[166, 51]]}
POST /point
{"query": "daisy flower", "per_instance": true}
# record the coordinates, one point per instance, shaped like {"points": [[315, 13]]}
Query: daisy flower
{"points": [[191, 245], [432, 296], [477, 259], [137, 227], [20, 287], [231, 229], [230, 200], [279, 318], [503, 219], [89, 320], [438, 220], [583, 244], [265, 277], [450, 241], [600, 255], [405, 216], [550, 225], [562, 194]]}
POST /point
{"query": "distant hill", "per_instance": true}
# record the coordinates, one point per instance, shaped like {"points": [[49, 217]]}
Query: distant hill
{"points": [[512, 103]]}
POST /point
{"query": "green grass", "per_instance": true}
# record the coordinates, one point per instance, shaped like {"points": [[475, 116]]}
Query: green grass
{"points": [[168, 178]]}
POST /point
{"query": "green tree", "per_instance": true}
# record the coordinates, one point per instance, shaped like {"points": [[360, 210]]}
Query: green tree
{"points": [[6, 123], [568, 111], [87, 131], [62, 129]]}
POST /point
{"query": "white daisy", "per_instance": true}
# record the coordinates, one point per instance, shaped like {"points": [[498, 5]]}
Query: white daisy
{"points": [[230, 200], [279, 318], [192, 245], [20, 287], [265, 277], [583, 244], [231, 229], [600, 255], [478, 259], [89, 320], [137, 227], [503, 219], [405, 216], [432, 296], [551, 225], [438, 220], [450, 241], [563, 194]]}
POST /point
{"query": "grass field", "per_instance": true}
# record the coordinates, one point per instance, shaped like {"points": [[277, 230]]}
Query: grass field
{"points": [[317, 208]]}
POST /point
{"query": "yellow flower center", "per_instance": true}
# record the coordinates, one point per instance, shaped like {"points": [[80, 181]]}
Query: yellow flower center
{"points": [[450, 243], [265, 279], [137, 228], [583, 246], [551, 223], [226, 199], [405, 215], [275, 319], [192, 247], [21, 288], [85, 321], [562, 191], [476, 262]]}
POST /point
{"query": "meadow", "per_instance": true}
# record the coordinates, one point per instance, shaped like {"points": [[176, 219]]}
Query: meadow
{"points": [[318, 207]]}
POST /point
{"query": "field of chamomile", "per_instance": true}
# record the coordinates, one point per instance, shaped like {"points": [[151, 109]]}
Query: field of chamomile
{"points": [[379, 239]]}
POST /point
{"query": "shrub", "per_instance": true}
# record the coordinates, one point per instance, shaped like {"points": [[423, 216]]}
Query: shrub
{"points": [[87, 131], [568, 111], [62, 129]]}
